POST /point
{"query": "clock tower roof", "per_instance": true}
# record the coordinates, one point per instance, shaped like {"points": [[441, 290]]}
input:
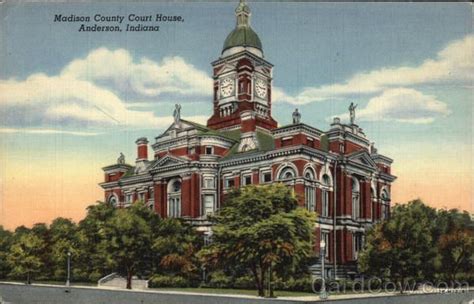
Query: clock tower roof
{"points": [[243, 36]]}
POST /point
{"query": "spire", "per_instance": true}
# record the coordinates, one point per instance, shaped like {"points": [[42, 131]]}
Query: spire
{"points": [[242, 12]]}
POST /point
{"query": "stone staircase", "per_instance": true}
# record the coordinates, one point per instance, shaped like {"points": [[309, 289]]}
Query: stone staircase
{"points": [[114, 280]]}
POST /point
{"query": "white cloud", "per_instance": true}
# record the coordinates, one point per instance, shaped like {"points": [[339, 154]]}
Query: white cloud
{"points": [[454, 65], [87, 92], [41, 99], [173, 75], [402, 105]]}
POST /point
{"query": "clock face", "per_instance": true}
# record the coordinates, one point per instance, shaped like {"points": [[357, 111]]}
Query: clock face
{"points": [[260, 88], [227, 87]]}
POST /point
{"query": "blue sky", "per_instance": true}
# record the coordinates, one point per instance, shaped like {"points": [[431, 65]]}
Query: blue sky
{"points": [[409, 66]]}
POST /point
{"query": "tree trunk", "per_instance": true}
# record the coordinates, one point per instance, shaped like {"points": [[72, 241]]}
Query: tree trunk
{"points": [[28, 279], [258, 282], [262, 280], [129, 278]]}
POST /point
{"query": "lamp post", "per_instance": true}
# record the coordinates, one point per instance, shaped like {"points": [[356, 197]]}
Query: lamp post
{"points": [[323, 294], [68, 268]]}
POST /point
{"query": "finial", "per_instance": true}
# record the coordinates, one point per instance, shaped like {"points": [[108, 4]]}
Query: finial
{"points": [[242, 13]]}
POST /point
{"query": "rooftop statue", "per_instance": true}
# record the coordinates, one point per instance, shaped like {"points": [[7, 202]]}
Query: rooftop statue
{"points": [[352, 113], [121, 159], [296, 117]]}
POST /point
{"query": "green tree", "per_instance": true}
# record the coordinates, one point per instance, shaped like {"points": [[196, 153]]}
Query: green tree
{"points": [[63, 239], [455, 243], [401, 248], [128, 240], [24, 256], [175, 246], [259, 228], [6, 237], [90, 262]]}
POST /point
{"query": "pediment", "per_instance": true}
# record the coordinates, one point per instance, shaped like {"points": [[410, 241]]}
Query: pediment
{"points": [[175, 128], [168, 160], [228, 67], [264, 70], [362, 158]]}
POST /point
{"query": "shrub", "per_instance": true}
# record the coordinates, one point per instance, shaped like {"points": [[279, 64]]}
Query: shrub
{"points": [[245, 282], [168, 281], [220, 280]]}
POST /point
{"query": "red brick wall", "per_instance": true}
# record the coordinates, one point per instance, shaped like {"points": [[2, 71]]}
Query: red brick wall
{"points": [[255, 177], [142, 152], [186, 197], [160, 199]]}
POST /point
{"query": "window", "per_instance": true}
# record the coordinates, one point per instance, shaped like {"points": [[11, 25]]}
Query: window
{"points": [[358, 243], [247, 180], [326, 183], [325, 237], [113, 201], [309, 142], [309, 198], [141, 197], [287, 173], [385, 204], [174, 198], [325, 203], [209, 182], [266, 177], [129, 199], [208, 202], [209, 150], [341, 148], [229, 182], [355, 198], [326, 180], [191, 150], [174, 207]]}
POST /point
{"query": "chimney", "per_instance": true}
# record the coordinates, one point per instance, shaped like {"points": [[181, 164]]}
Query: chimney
{"points": [[142, 148]]}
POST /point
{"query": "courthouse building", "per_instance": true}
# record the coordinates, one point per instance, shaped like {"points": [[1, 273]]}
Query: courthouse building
{"points": [[335, 171]]}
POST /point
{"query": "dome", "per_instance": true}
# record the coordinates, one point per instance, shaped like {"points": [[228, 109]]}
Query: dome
{"points": [[242, 36]]}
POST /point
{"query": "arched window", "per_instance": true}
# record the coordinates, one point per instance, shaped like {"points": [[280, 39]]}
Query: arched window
{"points": [[326, 180], [309, 191], [355, 198], [113, 201], [174, 198], [287, 173], [384, 196], [326, 183], [309, 175]]}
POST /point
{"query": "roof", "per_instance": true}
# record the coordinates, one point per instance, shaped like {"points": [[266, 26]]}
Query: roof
{"points": [[265, 143], [242, 36]]}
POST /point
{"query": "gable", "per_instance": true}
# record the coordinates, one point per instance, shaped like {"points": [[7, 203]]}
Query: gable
{"points": [[168, 160], [362, 158]]}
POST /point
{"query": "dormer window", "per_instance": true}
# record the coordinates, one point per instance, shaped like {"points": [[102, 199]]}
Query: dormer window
{"points": [[209, 150]]}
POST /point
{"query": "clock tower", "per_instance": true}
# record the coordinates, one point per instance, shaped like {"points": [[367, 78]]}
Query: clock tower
{"points": [[242, 83]]}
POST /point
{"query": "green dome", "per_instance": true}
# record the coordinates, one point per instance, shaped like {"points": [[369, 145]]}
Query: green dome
{"points": [[242, 36]]}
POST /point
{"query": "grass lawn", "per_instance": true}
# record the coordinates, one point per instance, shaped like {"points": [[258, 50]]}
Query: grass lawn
{"points": [[53, 282], [278, 293]]}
